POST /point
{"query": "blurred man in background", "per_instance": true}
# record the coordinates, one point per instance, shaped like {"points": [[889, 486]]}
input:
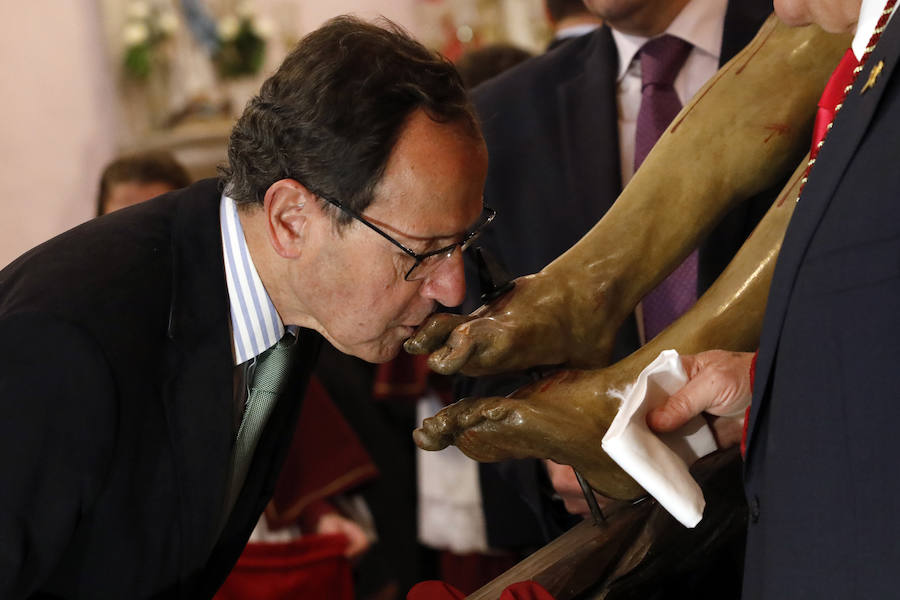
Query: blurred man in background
{"points": [[133, 178], [569, 19]]}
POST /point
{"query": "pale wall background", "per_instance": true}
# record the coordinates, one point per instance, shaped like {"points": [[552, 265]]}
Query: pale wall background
{"points": [[59, 116], [62, 117]]}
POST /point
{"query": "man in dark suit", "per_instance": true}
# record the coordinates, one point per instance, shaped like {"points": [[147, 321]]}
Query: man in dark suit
{"points": [[820, 471], [139, 349], [560, 132]]}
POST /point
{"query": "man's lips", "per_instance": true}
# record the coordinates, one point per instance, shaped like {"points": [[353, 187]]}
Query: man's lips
{"points": [[416, 323]]}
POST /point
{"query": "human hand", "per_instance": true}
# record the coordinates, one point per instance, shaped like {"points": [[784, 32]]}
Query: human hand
{"points": [[566, 486], [357, 540], [543, 320], [718, 385]]}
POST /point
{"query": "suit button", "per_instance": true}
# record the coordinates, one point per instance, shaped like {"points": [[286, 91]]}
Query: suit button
{"points": [[754, 509]]}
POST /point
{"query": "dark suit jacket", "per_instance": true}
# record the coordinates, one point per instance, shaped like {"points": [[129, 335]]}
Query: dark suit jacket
{"points": [[822, 470], [116, 386], [551, 127]]}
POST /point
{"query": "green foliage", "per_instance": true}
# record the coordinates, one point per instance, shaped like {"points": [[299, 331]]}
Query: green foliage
{"points": [[137, 61], [242, 55]]}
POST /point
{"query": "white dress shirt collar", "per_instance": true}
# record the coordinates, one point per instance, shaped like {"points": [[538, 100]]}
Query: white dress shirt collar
{"points": [[575, 31], [255, 324], [869, 13], [700, 22]]}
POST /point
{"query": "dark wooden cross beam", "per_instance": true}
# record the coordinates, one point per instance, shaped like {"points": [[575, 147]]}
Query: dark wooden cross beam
{"points": [[641, 546]]}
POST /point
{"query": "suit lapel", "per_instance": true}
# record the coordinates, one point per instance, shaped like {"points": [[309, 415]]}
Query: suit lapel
{"points": [[587, 105], [268, 459], [834, 158], [199, 395], [200, 381]]}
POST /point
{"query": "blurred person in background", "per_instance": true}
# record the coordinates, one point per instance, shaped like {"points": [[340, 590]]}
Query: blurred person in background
{"points": [[133, 178], [569, 19], [478, 65]]}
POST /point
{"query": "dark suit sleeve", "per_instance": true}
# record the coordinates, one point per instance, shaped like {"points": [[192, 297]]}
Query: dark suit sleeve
{"points": [[56, 440]]}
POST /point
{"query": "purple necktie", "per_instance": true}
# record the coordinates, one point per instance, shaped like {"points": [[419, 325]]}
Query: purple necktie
{"points": [[661, 59]]}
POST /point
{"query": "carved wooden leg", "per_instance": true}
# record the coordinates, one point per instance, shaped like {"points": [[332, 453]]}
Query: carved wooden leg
{"points": [[739, 136], [564, 416]]}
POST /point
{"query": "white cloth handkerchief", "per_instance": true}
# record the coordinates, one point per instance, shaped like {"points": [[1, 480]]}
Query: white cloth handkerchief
{"points": [[660, 462]]}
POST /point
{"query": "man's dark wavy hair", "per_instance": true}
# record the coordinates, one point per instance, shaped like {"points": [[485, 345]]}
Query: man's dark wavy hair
{"points": [[332, 113]]}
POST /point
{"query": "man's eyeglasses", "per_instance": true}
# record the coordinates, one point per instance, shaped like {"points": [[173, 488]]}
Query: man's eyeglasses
{"points": [[425, 263]]}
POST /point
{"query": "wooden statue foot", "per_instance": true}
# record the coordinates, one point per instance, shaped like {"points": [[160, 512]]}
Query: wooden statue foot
{"points": [[562, 417]]}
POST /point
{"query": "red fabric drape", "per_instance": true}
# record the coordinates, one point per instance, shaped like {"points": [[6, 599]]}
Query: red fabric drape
{"points": [[325, 459], [313, 566], [403, 378]]}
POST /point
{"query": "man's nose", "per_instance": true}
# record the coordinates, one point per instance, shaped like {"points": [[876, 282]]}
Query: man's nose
{"points": [[447, 284]]}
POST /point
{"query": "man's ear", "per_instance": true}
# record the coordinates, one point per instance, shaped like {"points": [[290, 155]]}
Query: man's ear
{"points": [[288, 206]]}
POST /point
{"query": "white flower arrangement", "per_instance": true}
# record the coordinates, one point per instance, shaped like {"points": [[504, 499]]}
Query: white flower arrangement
{"points": [[146, 27], [135, 34], [242, 37], [263, 27], [228, 27], [168, 22]]}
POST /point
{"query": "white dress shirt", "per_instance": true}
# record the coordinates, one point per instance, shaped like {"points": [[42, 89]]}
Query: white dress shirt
{"points": [[701, 23], [869, 13]]}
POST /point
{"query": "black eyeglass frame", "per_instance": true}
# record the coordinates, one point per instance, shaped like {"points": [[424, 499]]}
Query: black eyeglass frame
{"points": [[463, 244]]}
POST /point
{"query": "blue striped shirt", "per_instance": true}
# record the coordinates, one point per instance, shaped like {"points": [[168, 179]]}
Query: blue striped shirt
{"points": [[255, 324]]}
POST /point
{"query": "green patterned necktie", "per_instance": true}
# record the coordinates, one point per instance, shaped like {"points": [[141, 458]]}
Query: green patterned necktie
{"points": [[267, 384]]}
